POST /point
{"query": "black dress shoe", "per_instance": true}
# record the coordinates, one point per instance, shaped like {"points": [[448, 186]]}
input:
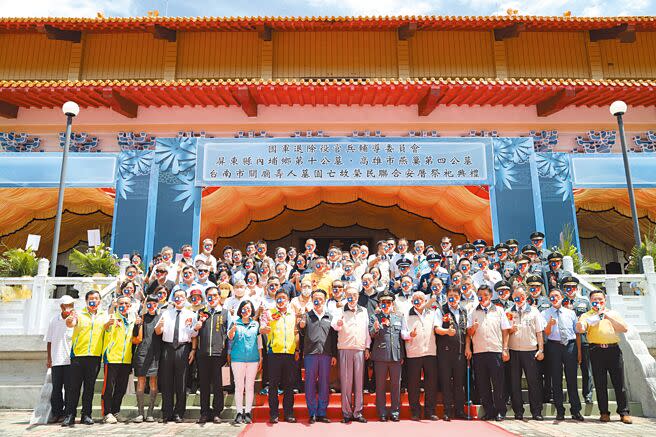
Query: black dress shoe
{"points": [[201, 420], [312, 420], [177, 419], [486, 417], [273, 420], [499, 418], [560, 416], [290, 419], [433, 417], [323, 419], [520, 417], [538, 417], [415, 418], [395, 417], [578, 417], [86, 420], [360, 419], [383, 418], [346, 420], [69, 420], [446, 418]]}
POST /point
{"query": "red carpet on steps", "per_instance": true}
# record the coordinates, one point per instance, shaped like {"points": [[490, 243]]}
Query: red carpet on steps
{"points": [[460, 428], [261, 407]]}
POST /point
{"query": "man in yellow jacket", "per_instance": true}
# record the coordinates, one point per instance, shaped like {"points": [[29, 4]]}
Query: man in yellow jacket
{"points": [[87, 343], [282, 348], [117, 358]]}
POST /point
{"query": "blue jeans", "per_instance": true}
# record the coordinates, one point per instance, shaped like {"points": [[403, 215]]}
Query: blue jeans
{"points": [[317, 374]]}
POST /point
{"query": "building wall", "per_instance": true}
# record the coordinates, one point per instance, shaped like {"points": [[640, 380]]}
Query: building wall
{"points": [[451, 54], [548, 54], [623, 61], [334, 54], [218, 55], [33, 57], [122, 56], [325, 54]]}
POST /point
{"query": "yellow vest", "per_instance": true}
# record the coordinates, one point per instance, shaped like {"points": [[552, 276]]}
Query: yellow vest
{"points": [[118, 343], [88, 334], [282, 338]]}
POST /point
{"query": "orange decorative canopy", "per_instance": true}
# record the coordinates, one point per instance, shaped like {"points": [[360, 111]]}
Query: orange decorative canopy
{"points": [[414, 212]]}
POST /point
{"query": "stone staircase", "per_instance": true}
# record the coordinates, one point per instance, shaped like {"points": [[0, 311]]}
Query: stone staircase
{"points": [[261, 409]]}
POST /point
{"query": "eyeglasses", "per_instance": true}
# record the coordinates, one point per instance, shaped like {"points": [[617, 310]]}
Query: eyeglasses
{"points": [[203, 271], [161, 272]]}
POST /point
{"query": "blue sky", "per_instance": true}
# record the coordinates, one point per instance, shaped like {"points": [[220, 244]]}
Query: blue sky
{"points": [[89, 8]]}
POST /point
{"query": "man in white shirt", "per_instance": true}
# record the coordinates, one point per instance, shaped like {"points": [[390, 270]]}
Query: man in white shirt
{"points": [[485, 275], [178, 351], [206, 255], [487, 329], [59, 357], [402, 254], [381, 260]]}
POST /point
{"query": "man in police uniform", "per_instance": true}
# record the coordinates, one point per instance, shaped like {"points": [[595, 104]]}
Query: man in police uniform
{"points": [[503, 295], [388, 331], [581, 305], [523, 263], [537, 238], [536, 266], [506, 264], [554, 272], [513, 248], [488, 331], [436, 270]]}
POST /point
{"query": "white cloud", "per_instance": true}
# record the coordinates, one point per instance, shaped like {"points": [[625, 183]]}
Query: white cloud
{"points": [[379, 7], [66, 8]]}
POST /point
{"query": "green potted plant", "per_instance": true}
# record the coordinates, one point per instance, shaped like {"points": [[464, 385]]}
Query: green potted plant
{"points": [[17, 263], [647, 247], [567, 248], [97, 261]]}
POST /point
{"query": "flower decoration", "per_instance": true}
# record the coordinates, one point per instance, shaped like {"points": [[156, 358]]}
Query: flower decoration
{"points": [[176, 154]]}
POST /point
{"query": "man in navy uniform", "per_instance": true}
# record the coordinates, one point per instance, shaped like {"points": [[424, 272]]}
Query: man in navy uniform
{"points": [[554, 271], [537, 239]]}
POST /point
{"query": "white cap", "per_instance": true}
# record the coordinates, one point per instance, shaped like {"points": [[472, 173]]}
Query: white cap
{"points": [[66, 300]]}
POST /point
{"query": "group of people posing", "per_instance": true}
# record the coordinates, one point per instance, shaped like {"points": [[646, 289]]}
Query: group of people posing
{"points": [[431, 319]]}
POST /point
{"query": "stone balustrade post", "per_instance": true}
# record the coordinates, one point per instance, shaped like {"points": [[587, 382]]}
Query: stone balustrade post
{"points": [[37, 308], [568, 264], [123, 264], [650, 299]]}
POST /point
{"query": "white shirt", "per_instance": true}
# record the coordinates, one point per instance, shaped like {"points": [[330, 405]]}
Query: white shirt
{"points": [[185, 328], [207, 260], [59, 336], [493, 277], [397, 256], [439, 314]]}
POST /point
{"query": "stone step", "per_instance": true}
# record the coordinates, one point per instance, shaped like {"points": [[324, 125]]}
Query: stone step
{"points": [[549, 410]]}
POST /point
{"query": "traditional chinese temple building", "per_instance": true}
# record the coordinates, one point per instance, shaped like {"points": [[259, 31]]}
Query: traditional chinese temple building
{"points": [[344, 128]]}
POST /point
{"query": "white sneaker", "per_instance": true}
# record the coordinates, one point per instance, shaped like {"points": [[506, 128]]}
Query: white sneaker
{"points": [[150, 419], [138, 419], [110, 419]]}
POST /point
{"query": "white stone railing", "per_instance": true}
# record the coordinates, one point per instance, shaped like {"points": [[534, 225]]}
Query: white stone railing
{"points": [[633, 295], [30, 316]]}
